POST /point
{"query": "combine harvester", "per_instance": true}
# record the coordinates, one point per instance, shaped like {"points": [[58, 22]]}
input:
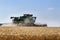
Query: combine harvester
{"points": [[26, 20]]}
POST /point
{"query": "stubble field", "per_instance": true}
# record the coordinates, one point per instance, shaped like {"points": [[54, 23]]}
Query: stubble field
{"points": [[29, 33]]}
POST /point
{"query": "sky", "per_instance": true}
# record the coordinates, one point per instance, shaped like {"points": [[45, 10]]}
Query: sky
{"points": [[46, 11]]}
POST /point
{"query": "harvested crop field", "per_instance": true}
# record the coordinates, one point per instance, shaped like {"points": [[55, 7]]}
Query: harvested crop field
{"points": [[29, 33]]}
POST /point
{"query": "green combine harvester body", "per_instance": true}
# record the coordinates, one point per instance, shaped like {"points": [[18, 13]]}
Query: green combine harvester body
{"points": [[26, 19]]}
